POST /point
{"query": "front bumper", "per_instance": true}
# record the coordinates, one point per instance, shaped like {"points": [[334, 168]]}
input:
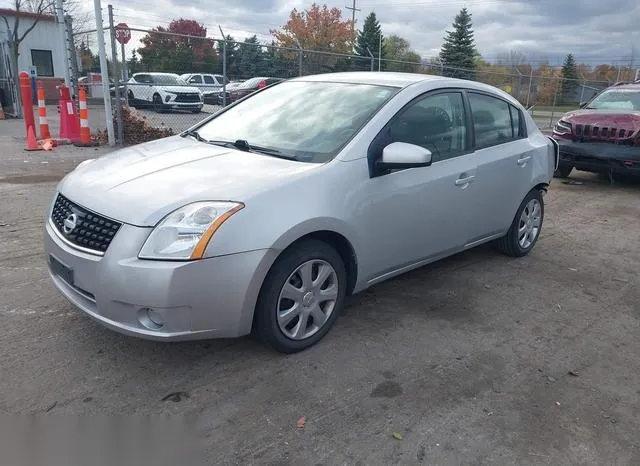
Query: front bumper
{"points": [[210, 298], [600, 157]]}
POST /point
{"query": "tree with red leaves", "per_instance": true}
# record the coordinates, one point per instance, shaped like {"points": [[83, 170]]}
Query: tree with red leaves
{"points": [[188, 51]]}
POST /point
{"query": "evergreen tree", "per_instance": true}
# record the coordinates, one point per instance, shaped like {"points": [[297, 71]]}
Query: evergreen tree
{"points": [[458, 53], [369, 38], [569, 75]]}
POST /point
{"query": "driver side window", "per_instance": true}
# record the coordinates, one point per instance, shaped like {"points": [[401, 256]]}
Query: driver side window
{"points": [[435, 122]]}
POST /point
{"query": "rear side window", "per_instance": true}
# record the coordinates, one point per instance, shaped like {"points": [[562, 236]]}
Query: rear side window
{"points": [[209, 79], [516, 123], [143, 78], [492, 120]]}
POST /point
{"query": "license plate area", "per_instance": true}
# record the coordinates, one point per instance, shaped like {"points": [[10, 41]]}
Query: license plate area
{"points": [[61, 270]]}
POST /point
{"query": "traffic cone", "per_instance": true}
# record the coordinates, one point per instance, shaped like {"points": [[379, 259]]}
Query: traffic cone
{"points": [[32, 144], [42, 113], [85, 132]]}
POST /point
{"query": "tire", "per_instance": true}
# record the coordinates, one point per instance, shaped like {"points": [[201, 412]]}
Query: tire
{"points": [[284, 331], [131, 99], [158, 106], [513, 244], [563, 171], [197, 110]]}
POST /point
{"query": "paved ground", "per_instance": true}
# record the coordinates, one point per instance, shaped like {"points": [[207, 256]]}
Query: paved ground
{"points": [[479, 359]]}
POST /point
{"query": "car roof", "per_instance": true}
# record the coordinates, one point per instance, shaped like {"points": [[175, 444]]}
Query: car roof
{"points": [[626, 85], [154, 73], [402, 80], [379, 78]]}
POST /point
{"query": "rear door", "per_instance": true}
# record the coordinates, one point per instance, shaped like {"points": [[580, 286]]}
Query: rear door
{"points": [[143, 88], [505, 161]]}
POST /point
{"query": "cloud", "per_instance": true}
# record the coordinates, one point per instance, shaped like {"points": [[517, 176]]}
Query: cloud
{"points": [[595, 31]]}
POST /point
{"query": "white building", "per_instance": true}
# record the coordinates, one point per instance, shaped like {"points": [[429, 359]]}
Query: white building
{"points": [[41, 48]]}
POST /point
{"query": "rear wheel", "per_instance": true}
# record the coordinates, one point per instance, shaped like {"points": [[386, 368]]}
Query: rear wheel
{"points": [[301, 297], [131, 100], [525, 229]]}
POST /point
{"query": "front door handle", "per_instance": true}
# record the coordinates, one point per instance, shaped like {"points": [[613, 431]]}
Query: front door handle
{"points": [[524, 160], [466, 180]]}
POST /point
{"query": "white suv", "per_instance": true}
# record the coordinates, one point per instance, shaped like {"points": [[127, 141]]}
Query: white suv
{"points": [[163, 91], [209, 84]]}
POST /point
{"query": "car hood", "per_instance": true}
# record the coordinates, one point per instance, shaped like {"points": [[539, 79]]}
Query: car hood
{"points": [[139, 185], [629, 121]]}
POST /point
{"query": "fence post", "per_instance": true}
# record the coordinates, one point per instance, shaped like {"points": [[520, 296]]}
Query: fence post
{"points": [[300, 52], [224, 68], [373, 59], [104, 72], [63, 38], [125, 77], [553, 107], [530, 83], [116, 78], [73, 58]]}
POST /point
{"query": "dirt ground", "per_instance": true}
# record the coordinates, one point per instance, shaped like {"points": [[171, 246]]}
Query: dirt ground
{"points": [[478, 359]]}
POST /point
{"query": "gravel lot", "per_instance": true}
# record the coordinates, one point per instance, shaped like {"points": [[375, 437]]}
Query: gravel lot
{"points": [[479, 359]]}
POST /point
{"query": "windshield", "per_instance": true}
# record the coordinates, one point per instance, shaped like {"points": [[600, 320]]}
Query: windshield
{"points": [[617, 99], [310, 121], [168, 80]]}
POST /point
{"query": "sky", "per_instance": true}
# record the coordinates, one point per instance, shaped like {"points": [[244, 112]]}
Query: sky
{"points": [[595, 31]]}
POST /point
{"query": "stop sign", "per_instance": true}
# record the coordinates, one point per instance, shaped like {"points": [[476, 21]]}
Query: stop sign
{"points": [[123, 33]]}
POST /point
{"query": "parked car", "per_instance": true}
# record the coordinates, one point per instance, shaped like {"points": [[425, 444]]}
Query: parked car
{"points": [[603, 136], [268, 213], [209, 84], [247, 87], [163, 91]]}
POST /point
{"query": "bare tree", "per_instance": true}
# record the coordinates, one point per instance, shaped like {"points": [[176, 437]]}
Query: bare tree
{"points": [[28, 10]]}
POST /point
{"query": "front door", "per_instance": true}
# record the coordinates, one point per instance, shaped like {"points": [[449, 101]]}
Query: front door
{"points": [[419, 215]]}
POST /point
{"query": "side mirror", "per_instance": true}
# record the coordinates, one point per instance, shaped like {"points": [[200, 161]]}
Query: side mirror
{"points": [[399, 155], [583, 104]]}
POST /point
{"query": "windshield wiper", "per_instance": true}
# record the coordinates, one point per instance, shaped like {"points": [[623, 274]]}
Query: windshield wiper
{"points": [[243, 145], [193, 133]]}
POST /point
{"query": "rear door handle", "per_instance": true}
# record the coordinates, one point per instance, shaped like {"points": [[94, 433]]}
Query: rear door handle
{"points": [[524, 160], [466, 180]]}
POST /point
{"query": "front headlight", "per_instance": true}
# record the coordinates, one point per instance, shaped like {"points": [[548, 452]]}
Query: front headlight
{"points": [[563, 127], [185, 233]]}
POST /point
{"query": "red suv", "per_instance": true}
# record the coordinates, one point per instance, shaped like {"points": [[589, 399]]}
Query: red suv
{"points": [[603, 136]]}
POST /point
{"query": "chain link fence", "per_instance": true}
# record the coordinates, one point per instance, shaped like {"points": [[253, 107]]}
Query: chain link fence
{"points": [[176, 80]]}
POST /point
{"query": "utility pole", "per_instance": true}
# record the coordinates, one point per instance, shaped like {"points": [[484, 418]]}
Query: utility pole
{"points": [[353, 20], [104, 72], [63, 38]]}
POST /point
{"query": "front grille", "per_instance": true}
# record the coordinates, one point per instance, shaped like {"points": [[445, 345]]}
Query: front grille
{"points": [[187, 98], [596, 133], [92, 231]]}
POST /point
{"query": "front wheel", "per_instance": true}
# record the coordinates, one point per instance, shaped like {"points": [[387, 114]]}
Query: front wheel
{"points": [[525, 229], [158, 106], [301, 297]]}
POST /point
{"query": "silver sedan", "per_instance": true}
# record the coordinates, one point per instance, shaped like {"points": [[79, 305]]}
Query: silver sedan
{"points": [[264, 216]]}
